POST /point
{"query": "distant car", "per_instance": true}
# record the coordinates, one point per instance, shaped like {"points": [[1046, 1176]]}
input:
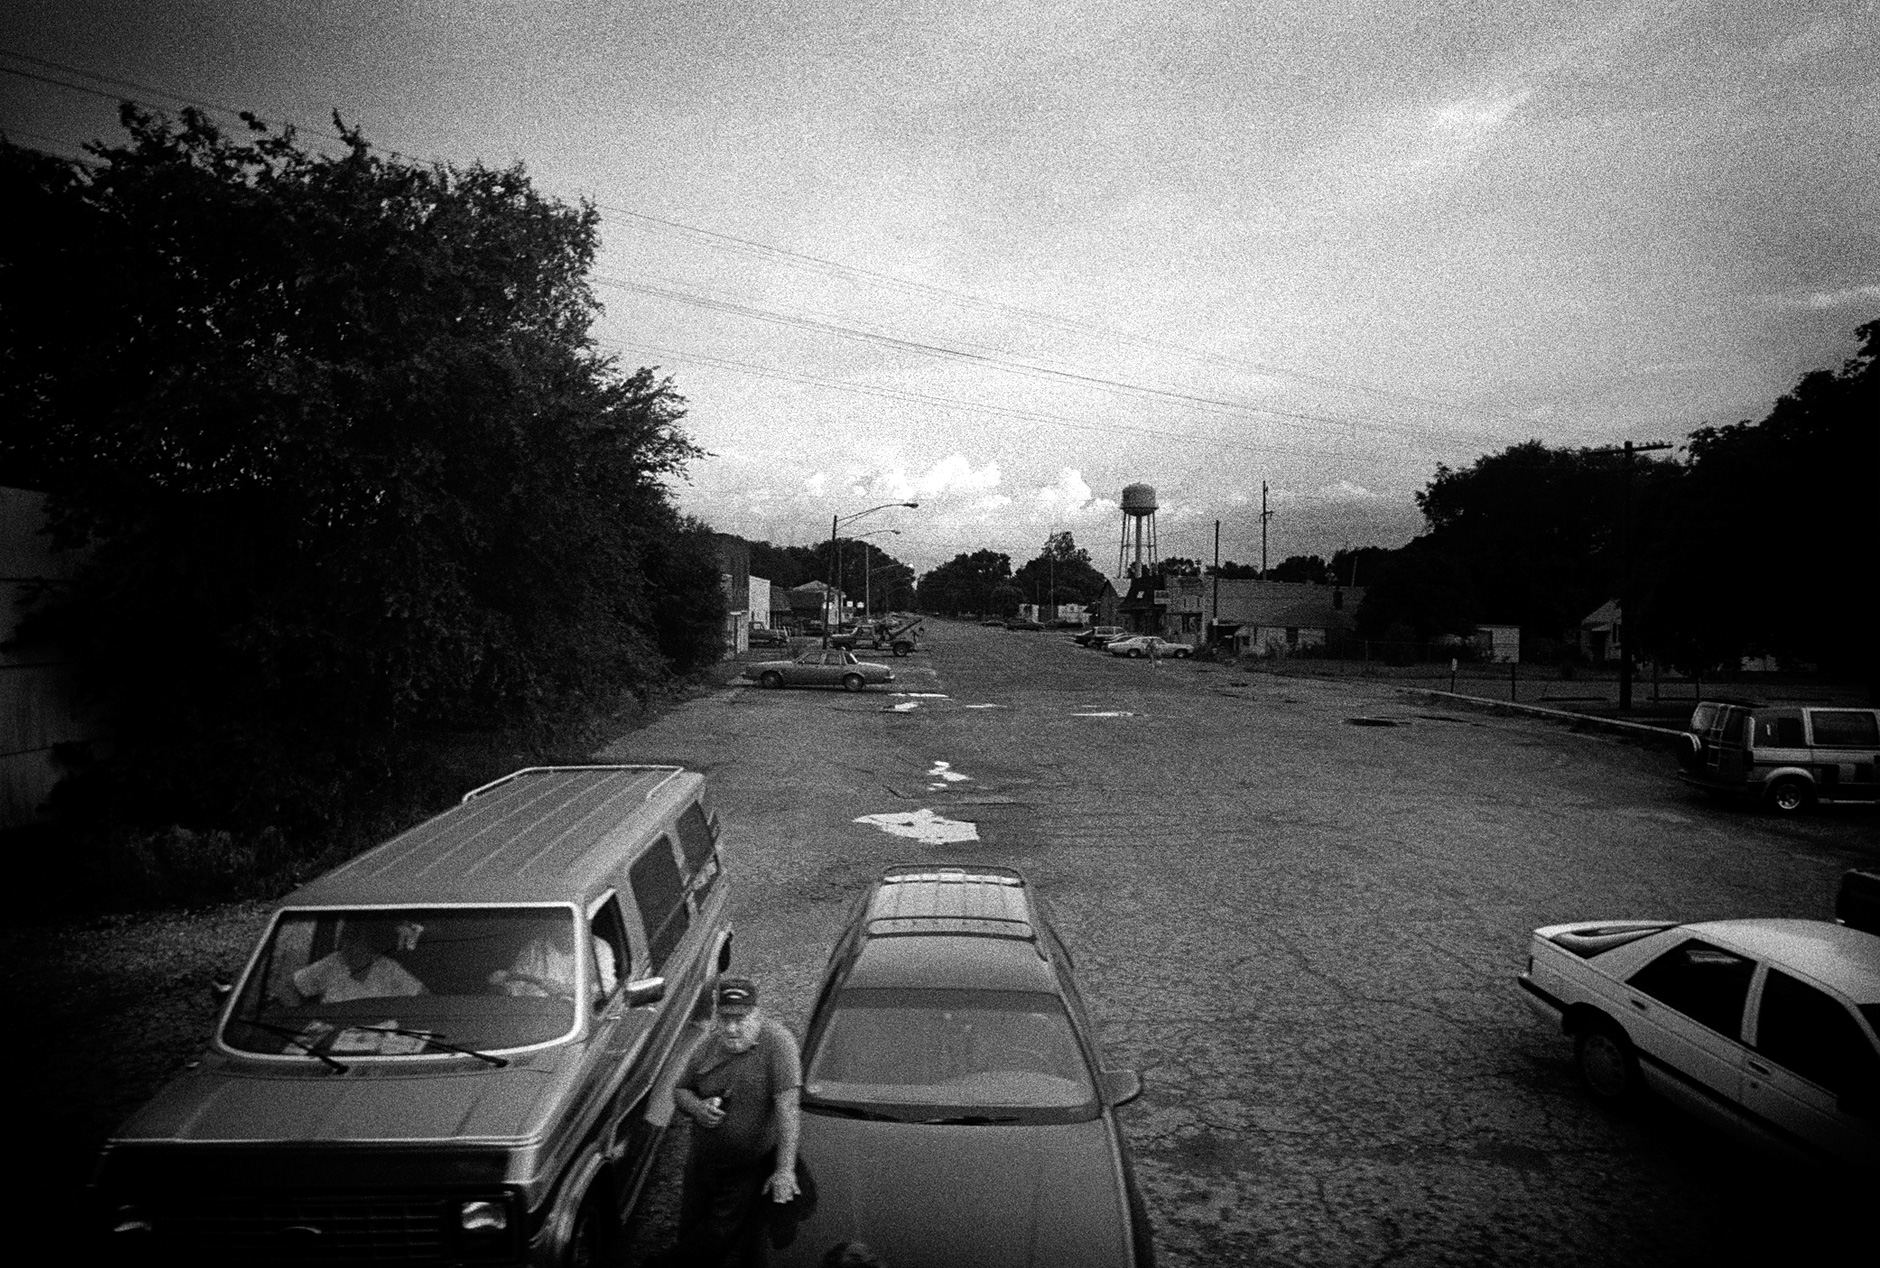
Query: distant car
{"points": [[1764, 1027], [995, 622], [1023, 623], [955, 1106], [765, 636], [1097, 635], [1788, 756], [820, 667], [1146, 644]]}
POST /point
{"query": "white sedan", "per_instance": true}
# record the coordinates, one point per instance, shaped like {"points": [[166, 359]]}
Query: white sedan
{"points": [[1766, 1027], [1147, 645]]}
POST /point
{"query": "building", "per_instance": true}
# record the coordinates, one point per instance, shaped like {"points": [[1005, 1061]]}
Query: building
{"points": [[1276, 618], [1599, 633], [734, 574]]}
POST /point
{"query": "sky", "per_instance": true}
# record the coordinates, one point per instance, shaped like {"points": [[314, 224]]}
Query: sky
{"points": [[1005, 259]]}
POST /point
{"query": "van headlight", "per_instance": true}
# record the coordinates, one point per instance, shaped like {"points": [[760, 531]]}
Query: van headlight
{"points": [[129, 1219], [483, 1216]]}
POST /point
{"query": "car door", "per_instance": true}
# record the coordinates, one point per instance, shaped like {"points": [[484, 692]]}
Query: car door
{"points": [[1686, 1020], [807, 669], [1811, 1072]]}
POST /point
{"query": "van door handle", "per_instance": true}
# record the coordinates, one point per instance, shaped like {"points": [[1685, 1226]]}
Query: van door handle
{"points": [[1757, 1067], [1641, 1005]]}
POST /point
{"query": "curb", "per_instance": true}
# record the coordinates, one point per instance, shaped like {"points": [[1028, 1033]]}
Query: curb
{"points": [[1578, 721]]}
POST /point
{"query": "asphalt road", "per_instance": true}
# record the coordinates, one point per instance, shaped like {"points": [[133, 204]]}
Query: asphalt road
{"points": [[1303, 931]]}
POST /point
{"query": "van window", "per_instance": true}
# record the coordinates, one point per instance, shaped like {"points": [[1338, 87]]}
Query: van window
{"points": [[610, 931], [660, 893], [701, 858], [1846, 728], [1779, 730]]}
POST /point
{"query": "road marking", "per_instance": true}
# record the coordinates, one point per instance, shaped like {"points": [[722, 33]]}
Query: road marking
{"points": [[904, 708], [922, 695], [985, 706], [923, 825], [944, 770], [1112, 713]]}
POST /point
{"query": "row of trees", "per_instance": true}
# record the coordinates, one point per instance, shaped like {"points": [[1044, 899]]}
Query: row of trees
{"points": [[1752, 544], [865, 570], [984, 581], [346, 470]]}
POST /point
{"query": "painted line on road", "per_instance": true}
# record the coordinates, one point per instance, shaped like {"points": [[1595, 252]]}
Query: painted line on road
{"points": [[1108, 713], [923, 825]]}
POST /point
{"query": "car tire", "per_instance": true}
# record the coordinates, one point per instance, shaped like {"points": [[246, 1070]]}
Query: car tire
{"points": [[1135, 653], [1607, 1063], [1790, 795], [770, 680], [852, 682], [1690, 751]]}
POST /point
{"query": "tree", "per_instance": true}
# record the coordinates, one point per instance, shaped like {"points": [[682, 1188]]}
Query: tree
{"points": [[1307, 568], [1231, 571], [1061, 573], [1178, 566], [347, 466], [965, 583], [1758, 548], [1421, 592]]}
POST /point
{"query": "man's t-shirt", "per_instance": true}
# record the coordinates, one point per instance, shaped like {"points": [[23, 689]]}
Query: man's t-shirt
{"points": [[749, 1082], [330, 982]]}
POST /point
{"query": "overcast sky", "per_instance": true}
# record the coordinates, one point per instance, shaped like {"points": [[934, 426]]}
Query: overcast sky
{"points": [[1003, 259]]}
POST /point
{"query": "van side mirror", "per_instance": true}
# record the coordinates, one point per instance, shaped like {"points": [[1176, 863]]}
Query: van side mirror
{"points": [[644, 991], [1120, 1087]]}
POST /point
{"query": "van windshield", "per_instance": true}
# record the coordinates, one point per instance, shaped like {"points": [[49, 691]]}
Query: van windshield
{"points": [[417, 981]]}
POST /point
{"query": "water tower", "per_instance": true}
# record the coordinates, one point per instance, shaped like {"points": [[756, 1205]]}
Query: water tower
{"points": [[1139, 518]]}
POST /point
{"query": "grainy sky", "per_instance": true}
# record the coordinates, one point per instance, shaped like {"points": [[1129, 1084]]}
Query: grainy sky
{"points": [[1004, 259]]}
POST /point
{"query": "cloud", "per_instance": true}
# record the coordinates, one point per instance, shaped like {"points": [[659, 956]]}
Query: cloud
{"points": [[1070, 498], [954, 474], [817, 485], [1820, 300], [1345, 491]]}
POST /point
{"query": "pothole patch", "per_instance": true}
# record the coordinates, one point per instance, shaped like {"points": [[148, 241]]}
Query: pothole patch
{"points": [[923, 825]]}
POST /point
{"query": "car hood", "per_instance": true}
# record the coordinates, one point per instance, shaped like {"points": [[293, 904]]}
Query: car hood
{"points": [[231, 1104], [993, 1197]]}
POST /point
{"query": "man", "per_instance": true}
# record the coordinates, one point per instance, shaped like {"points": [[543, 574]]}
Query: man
{"points": [[739, 1087], [360, 969], [546, 966]]}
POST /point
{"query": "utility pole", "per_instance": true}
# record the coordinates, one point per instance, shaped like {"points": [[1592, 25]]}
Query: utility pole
{"points": [[1215, 616], [1265, 515], [1625, 562]]}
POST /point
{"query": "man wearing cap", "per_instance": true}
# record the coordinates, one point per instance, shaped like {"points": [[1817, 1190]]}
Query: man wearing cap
{"points": [[739, 1086]]}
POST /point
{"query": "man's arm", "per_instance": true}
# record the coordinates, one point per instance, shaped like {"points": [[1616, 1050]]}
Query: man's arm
{"points": [[788, 1073]]}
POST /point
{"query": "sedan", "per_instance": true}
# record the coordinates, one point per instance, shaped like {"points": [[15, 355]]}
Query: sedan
{"points": [[820, 667], [1147, 645], [955, 1107], [1764, 1027], [767, 636]]}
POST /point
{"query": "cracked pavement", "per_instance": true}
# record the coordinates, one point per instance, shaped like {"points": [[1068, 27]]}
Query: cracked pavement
{"points": [[1303, 932]]}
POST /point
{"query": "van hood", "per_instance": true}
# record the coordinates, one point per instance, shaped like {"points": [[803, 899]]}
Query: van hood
{"points": [[369, 1104], [993, 1196]]}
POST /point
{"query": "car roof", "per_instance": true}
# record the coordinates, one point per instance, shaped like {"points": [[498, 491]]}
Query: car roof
{"points": [[1848, 960], [964, 927], [542, 834]]}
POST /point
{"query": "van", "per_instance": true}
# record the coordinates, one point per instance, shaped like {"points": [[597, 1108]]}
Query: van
{"points": [[444, 1051], [1789, 756]]}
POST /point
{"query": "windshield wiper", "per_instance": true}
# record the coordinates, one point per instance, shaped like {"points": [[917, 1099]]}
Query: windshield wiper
{"points": [[971, 1120], [294, 1037], [437, 1041]]}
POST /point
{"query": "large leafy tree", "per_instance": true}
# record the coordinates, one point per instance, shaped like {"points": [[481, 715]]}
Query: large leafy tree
{"points": [[345, 462], [967, 583], [1060, 573], [1764, 546]]}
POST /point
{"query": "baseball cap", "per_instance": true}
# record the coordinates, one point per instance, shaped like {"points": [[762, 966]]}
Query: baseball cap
{"points": [[736, 992]]}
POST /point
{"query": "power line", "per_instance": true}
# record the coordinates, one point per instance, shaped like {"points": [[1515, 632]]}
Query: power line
{"points": [[110, 79]]}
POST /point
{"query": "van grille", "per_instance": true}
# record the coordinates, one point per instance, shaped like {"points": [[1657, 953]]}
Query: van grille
{"points": [[371, 1229]]}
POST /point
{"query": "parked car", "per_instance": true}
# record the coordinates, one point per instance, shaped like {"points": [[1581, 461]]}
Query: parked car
{"points": [[443, 1050], [956, 1109], [1787, 756], [1765, 1027], [1097, 635], [1145, 645], [765, 636], [995, 622], [1023, 623], [820, 667]]}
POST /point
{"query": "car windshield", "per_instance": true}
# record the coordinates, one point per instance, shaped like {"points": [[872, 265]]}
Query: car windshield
{"points": [[415, 981], [971, 1056]]}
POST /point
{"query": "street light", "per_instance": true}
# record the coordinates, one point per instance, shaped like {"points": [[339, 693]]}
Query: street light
{"points": [[830, 611], [868, 606]]}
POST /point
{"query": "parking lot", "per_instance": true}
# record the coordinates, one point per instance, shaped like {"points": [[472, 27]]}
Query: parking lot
{"points": [[1303, 931]]}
